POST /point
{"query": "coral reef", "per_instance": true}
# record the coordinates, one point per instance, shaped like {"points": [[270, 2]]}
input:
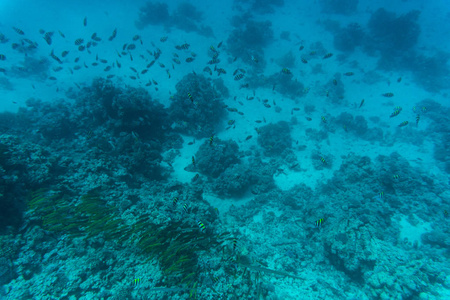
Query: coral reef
{"points": [[212, 159], [275, 139], [197, 108]]}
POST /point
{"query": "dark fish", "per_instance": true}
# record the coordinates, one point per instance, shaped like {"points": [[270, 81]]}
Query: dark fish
{"points": [[399, 79], [110, 76], [94, 64], [133, 69], [163, 39], [136, 37], [48, 37], [417, 119], [328, 55], [403, 124], [79, 41], [113, 35], [133, 77], [207, 70], [55, 57], [118, 64], [349, 74], [301, 48], [387, 95], [238, 77], [334, 81], [107, 68], [189, 59], [304, 61], [57, 69], [286, 71], [184, 46], [131, 47], [362, 102], [219, 45], [214, 61], [18, 30], [64, 53], [2, 57], [85, 21], [81, 48], [176, 60], [221, 71], [61, 34], [103, 61], [144, 71], [248, 137], [76, 59]]}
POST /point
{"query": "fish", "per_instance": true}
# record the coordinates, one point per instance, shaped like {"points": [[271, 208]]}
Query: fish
{"points": [[395, 176], [324, 120], [219, 44], [113, 35], [18, 31], [238, 77], [131, 47], [387, 95], [55, 57], [362, 102], [254, 59], [193, 160], [349, 74], [304, 61], [175, 201], [244, 86], [190, 97], [189, 59], [207, 70], [417, 120], [196, 176], [301, 48], [308, 119], [286, 71], [322, 159], [211, 140], [176, 60], [328, 55], [137, 281], [168, 73], [214, 61], [185, 208], [61, 34], [399, 79], [48, 37], [64, 53], [79, 41], [221, 71], [334, 81], [136, 37], [184, 46], [163, 39], [319, 222], [248, 137], [85, 21], [81, 48], [403, 124], [396, 112], [2, 57], [201, 225]]}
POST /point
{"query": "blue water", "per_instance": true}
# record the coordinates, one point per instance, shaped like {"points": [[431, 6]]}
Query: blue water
{"points": [[248, 149]]}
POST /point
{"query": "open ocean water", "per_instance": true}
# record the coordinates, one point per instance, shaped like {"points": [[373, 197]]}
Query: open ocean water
{"points": [[246, 149]]}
